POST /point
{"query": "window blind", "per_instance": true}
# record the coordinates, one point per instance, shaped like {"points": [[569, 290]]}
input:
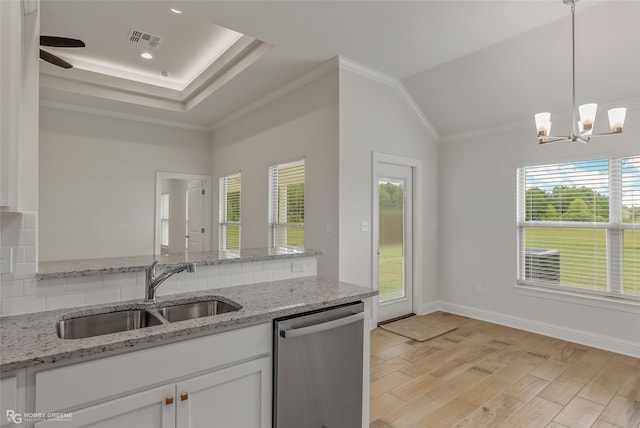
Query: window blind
{"points": [[577, 225], [286, 204], [164, 219], [229, 212]]}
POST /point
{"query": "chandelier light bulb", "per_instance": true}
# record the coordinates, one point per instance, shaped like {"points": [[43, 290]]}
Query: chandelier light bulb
{"points": [[616, 119], [543, 123], [588, 115]]}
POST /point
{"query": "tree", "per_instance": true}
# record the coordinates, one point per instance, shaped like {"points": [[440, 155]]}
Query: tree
{"points": [[578, 211]]}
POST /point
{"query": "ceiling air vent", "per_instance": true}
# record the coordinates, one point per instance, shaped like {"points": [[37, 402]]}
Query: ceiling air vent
{"points": [[146, 40]]}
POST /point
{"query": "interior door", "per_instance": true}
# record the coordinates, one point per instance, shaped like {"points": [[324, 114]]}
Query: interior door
{"points": [[394, 220], [195, 228]]}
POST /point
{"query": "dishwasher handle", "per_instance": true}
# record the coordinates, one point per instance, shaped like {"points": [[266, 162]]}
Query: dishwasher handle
{"points": [[317, 328]]}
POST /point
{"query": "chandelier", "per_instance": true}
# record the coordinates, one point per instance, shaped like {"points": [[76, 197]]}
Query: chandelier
{"points": [[583, 129]]}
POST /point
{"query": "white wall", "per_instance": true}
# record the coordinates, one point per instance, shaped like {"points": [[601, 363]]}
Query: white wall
{"points": [[375, 118], [477, 241], [97, 181], [302, 123]]}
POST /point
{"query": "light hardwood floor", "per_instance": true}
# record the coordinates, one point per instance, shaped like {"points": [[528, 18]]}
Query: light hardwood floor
{"points": [[487, 375]]}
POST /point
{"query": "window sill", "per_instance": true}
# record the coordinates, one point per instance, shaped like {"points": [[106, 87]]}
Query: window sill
{"points": [[604, 302]]}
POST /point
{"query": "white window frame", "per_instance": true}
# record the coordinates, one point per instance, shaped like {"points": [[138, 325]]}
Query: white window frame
{"points": [[223, 221], [275, 225], [164, 220], [615, 229]]}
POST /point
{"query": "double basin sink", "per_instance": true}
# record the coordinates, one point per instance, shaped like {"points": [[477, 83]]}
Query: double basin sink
{"points": [[131, 319]]}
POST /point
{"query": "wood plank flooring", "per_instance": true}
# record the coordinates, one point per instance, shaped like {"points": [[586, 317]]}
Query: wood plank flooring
{"points": [[487, 375]]}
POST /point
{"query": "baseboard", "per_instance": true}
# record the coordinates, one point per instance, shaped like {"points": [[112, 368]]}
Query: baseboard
{"points": [[582, 337], [428, 308]]}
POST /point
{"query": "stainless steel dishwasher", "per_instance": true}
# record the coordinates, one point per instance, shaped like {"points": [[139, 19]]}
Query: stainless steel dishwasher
{"points": [[318, 369]]}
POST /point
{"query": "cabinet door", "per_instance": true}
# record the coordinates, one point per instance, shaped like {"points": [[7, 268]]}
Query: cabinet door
{"points": [[147, 409], [10, 401], [236, 397]]}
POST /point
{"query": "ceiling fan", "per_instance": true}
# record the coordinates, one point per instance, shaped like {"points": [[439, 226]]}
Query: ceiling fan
{"points": [[58, 42]]}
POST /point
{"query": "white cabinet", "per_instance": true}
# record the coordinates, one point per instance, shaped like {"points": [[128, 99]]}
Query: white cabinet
{"points": [[144, 409], [12, 399], [222, 380], [236, 397], [10, 101]]}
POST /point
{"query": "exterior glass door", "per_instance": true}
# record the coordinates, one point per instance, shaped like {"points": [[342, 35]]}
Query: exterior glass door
{"points": [[394, 241]]}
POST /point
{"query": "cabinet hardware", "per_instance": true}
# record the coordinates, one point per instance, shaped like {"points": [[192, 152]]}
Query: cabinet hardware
{"points": [[184, 396], [169, 400]]}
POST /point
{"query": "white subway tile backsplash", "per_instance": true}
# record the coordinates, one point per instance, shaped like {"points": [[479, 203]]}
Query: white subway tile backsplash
{"points": [[83, 283], [205, 271], [131, 293], [22, 305], [278, 274], [193, 284], [104, 295], [251, 266], [262, 276], [119, 280], [230, 269], [219, 281], [26, 294], [170, 286], [30, 254], [241, 278], [28, 237], [24, 270], [12, 289], [66, 300], [42, 288], [29, 220]]}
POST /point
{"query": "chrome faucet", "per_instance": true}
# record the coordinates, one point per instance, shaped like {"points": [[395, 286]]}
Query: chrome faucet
{"points": [[152, 282]]}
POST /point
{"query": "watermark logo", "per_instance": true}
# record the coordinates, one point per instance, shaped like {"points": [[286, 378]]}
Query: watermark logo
{"points": [[14, 417], [18, 418]]}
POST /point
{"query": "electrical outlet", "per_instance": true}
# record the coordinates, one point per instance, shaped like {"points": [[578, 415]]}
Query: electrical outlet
{"points": [[480, 288], [297, 267]]}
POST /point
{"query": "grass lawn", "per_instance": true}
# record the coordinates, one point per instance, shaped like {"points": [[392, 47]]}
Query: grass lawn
{"points": [[585, 250], [390, 272]]}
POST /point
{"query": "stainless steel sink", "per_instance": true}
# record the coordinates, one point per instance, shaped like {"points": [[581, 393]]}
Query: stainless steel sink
{"points": [[115, 322], [99, 324], [187, 311]]}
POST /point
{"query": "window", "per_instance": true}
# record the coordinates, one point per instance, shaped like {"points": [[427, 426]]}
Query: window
{"points": [[579, 226], [229, 213], [286, 205], [164, 219]]}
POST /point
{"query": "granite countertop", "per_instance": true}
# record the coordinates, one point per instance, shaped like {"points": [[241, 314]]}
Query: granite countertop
{"points": [[89, 267], [30, 340]]}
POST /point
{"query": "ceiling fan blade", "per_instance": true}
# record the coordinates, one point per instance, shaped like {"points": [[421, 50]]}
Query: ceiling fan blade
{"points": [[61, 42], [46, 56]]}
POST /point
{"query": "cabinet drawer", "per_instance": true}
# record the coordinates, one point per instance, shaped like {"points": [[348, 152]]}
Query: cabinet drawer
{"points": [[74, 385]]}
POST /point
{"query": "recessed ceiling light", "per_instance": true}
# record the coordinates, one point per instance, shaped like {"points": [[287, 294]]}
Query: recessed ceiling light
{"points": [[174, 10], [146, 55]]}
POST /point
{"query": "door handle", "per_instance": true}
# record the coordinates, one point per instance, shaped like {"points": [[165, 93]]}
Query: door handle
{"points": [[317, 328]]}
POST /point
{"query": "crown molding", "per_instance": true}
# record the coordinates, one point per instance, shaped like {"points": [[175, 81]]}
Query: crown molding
{"points": [[118, 115], [397, 85], [630, 104]]}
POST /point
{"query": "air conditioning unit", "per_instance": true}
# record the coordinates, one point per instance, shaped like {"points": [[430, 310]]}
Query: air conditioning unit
{"points": [[542, 265]]}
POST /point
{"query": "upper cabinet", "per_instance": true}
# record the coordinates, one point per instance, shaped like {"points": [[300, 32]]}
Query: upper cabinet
{"points": [[19, 104], [10, 101]]}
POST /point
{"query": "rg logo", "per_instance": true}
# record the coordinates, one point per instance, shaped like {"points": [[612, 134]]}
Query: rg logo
{"points": [[14, 417]]}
